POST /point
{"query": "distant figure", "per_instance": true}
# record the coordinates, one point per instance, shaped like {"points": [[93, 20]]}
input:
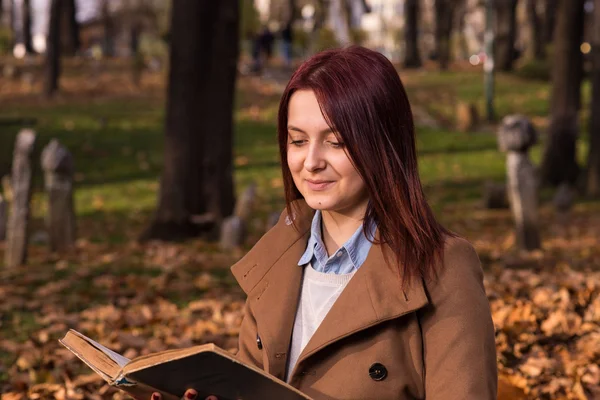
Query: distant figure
{"points": [[262, 49], [286, 43], [266, 39]]}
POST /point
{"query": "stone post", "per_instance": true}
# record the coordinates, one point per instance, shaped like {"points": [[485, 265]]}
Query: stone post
{"points": [[57, 164], [21, 179], [515, 136], [234, 228]]}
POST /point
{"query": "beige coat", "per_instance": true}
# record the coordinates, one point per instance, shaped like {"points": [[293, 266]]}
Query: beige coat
{"points": [[433, 340]]}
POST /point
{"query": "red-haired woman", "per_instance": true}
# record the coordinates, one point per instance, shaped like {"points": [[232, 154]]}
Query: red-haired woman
{"points": [[358, 292]]}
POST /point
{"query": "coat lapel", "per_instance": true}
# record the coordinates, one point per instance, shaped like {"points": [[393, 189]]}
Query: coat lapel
{"points": [[271, 277], [373, 295]]}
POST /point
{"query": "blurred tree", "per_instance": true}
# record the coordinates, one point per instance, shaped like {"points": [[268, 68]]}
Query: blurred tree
{"points": [[460, 15], [293, 11], [196, 186], [52, 62], [108, 45], [559, 161], [535, 24], [21, 24], [444, 10], [506, 32], [319, 21], [27, 36], [6, 14], [593, 164], [412, 58], [550, 7], [69, 39]]}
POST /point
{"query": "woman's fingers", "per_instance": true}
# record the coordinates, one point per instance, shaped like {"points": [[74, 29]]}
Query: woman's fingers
{"points": [[190, 394]]}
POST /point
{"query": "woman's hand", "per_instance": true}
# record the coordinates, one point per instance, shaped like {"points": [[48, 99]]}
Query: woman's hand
{"points": [[190, 394]]}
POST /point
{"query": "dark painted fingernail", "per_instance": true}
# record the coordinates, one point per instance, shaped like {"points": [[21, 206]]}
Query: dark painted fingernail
{"points": [[155, 396], [191, 395]]}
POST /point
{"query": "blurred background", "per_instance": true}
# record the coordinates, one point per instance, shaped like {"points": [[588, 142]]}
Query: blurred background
{"points": [[139, 161]]}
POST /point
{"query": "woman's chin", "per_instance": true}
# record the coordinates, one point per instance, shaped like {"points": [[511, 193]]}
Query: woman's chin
{"points": [[316, 203]]}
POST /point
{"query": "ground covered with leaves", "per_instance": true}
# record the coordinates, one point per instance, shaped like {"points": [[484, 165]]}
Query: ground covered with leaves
{"points": [[141, 298]]}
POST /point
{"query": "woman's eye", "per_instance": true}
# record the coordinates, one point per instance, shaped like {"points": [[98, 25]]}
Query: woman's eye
{"points": [[336, 145], [297, 142]]}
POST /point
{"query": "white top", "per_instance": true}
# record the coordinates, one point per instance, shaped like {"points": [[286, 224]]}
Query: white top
{"points": [[318, 293]]}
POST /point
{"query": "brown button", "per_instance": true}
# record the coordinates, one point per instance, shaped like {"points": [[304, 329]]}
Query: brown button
{"points": [[378, 372]]}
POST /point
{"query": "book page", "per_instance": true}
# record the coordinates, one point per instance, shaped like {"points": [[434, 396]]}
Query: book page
{"points": [[116, 357]]}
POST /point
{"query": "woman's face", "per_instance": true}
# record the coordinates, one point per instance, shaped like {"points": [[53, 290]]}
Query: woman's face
{"points": [[320, 166]]}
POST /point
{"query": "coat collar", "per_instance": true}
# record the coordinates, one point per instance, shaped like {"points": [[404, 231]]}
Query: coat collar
{"points": [[269, 274]]}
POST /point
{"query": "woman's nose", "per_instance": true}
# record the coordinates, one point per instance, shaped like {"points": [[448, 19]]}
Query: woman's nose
{"points": [[314, 160]]}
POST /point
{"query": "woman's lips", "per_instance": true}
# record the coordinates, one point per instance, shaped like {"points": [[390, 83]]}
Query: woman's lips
{"points": [[319, 185]]}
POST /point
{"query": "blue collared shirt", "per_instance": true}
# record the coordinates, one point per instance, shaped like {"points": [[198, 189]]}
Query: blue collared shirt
{"points": [[347, 259]]}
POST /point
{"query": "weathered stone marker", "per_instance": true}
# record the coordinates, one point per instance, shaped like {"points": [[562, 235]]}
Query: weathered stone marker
{"points": [[245, 204], [515, 136], [2, 218], [233, 233], [18, 220], [57, 164], [234, 228]]}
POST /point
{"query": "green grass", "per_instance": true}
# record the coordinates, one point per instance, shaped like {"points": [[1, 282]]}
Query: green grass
{"points": [[117, 145]]}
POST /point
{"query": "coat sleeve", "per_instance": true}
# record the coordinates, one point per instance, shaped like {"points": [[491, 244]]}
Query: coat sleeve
{"points": [[248, 351], [458, 333]]}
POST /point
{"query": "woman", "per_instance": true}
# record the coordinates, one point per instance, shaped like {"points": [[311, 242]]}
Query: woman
{"points": [[358, 292]]}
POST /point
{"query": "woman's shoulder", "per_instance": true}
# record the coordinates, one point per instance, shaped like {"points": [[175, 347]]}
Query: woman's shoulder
{"points": [[458, 250], [460, 267]]}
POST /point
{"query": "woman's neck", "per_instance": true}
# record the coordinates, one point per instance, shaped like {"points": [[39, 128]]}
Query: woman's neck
{"points": [[338, 228]]}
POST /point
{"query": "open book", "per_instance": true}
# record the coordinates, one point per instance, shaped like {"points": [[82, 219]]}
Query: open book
{"points": [[207, 368]]}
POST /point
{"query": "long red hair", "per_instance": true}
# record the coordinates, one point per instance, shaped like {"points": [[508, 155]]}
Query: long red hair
{"points": [[363, 100]]}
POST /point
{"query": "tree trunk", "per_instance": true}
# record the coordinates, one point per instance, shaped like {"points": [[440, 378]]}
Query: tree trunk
{"points": [[52, 67], [536, 39], [108, 47], [197, 174], [27, 34], [593, 164], [293, 15], [443, 30], [412, 59], [559, 162], [460, 14], [69, 35], [550, 7], [506, 32], [22, 24], [8, 17]]}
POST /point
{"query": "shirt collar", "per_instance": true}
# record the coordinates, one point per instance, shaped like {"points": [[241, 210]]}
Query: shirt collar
{"points": [[357, 241]]}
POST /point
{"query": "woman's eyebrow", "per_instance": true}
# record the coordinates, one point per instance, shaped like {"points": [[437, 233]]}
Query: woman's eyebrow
{"points": [[293, 128]]}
